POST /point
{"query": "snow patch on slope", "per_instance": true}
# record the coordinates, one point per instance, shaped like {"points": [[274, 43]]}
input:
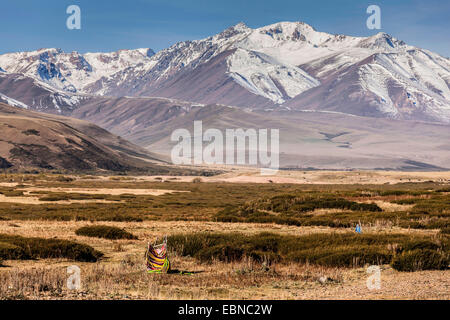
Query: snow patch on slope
{"points": [[13, 102], [420, 79], [373, 78], [264, 76]]}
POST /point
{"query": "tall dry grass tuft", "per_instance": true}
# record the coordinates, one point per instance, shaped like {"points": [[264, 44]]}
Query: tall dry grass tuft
{"points": [[36, 282]]}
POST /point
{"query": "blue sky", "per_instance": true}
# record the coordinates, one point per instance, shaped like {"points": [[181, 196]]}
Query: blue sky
{"points": [[109, 25]]}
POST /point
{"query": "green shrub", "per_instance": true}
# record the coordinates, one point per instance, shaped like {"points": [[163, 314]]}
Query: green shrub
{"points": [[16, 247], [106, 232], [421, 260]]}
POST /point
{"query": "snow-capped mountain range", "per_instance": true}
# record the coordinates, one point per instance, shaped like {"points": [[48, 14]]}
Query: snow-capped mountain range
{"points": [[72, 72], [285, 66]]}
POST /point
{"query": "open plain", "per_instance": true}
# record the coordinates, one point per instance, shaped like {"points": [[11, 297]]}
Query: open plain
{"points": [[232, 236]]}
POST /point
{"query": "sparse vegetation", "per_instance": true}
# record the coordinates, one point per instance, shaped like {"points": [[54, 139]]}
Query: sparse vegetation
{"points": [[297, 210], [425, 205], [405, 225], [336, 250]]}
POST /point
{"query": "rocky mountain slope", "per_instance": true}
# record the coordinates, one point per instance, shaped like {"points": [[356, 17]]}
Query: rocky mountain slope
{"points": [[313, 139], [35, 140], [31, 93]]}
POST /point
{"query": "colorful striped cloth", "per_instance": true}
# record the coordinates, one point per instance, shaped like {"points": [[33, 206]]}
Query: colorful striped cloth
{"points": [[156, 259]]}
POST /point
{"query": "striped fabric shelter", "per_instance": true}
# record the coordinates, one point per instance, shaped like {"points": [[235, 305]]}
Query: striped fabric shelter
{"points": [[156, 258]]}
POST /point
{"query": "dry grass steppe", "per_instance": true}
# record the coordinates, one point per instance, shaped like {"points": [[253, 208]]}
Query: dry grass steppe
{"points": [[417, 211]]}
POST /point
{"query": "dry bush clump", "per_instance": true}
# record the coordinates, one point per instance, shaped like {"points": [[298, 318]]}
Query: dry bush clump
{"points": [[421, 259], [117, 247], [106, 232], [289, 203], [21, 248], [59, 196]]}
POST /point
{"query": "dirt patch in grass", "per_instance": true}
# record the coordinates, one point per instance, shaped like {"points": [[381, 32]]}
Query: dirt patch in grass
{"points": [[46, 200], [392, 207], [105, 191]]}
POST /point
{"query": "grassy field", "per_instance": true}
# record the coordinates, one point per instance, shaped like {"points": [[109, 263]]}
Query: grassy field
{"points": [[236, 240]]}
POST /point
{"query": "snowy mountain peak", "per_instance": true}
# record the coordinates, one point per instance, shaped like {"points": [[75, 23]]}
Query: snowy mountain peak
{"points": [[240, 27], [43, 50], [288, 27], [284, 31], [148, 52], [382, 41]]}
